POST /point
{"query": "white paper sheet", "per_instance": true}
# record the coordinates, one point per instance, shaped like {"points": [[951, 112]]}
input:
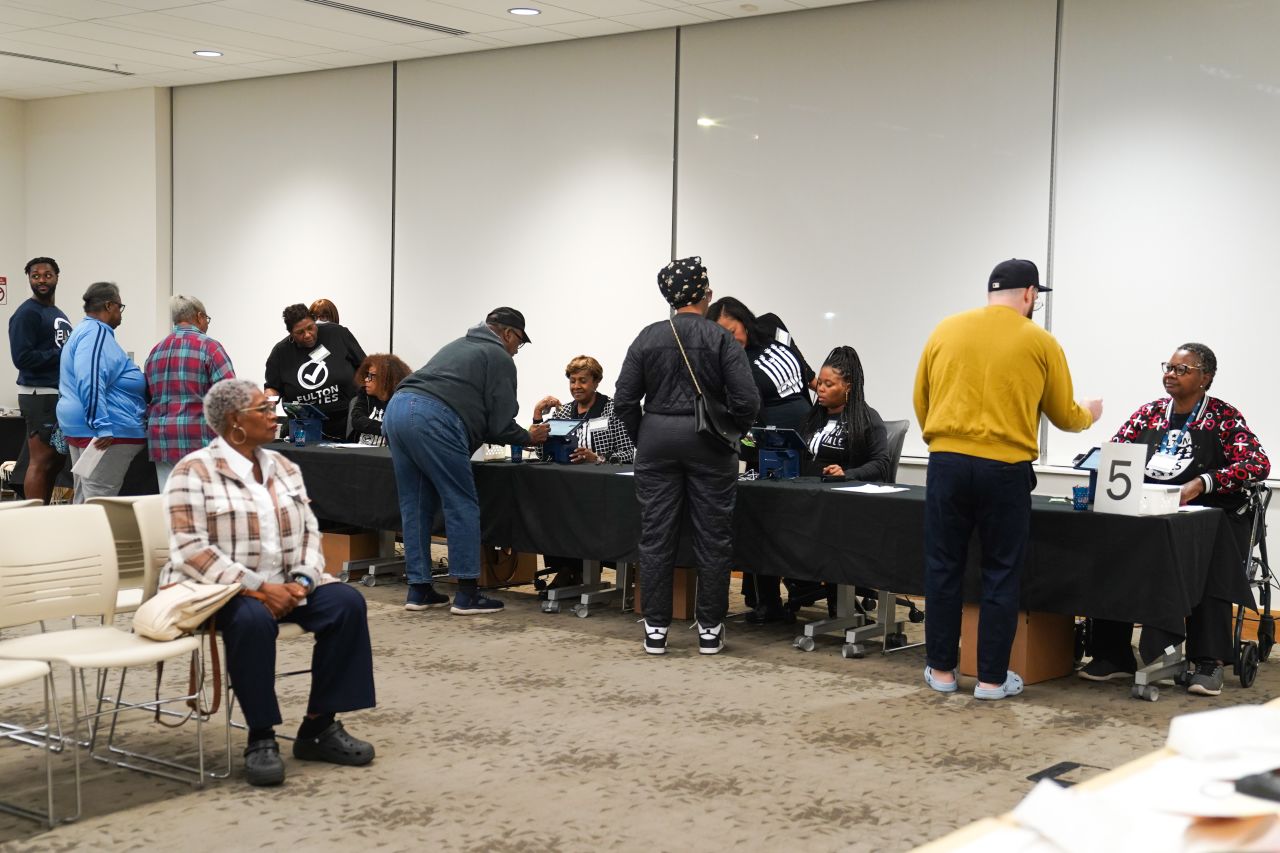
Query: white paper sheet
{"points": [[626, 473], [1191, 508], [88, 461], [871, 489]]}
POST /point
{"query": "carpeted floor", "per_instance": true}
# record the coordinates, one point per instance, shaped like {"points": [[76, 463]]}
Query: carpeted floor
{"points": [[533, 731]]}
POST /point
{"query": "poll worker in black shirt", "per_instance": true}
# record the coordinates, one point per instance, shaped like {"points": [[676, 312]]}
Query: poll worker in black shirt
{"points": [[37, 331], [846, 437], [677, 467], [377, 378], [315, 365], [783, 378]]}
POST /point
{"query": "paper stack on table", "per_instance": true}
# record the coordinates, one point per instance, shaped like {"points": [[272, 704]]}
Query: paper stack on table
{"points": [[870, 489]]}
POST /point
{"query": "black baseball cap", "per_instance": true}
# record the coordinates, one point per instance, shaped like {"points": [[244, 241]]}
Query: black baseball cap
{"points": [[509, 317], [1015, 274]]}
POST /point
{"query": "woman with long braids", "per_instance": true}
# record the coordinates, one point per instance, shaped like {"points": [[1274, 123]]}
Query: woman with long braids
{"points": [[846, 436]]}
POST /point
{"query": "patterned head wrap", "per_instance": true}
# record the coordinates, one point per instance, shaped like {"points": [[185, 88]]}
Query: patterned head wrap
{"points": [[683, 282]]}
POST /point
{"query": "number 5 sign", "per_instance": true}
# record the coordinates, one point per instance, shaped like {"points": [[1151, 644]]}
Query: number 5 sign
{"points": [[1120, 479]]}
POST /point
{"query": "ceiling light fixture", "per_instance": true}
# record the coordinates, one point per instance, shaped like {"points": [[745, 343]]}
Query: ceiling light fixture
{"points": [[207, 52], [524, 10], [706, 122]]}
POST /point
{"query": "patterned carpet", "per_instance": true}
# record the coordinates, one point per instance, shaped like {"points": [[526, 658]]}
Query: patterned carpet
{"points": [[532, 731]]}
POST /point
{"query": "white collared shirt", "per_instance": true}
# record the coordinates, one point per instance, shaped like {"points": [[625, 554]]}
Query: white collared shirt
{"points": [[272, 566]]}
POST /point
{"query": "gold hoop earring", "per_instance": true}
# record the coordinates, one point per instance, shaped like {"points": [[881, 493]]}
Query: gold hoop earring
{"points": [[244, 436]]}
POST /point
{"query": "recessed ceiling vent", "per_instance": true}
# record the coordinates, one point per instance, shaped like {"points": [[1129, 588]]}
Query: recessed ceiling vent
{"points": [[385, 16]]}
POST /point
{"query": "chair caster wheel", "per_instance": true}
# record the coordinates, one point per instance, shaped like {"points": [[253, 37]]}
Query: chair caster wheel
{"points": [[1150, 692], [550, 607], [895, 641], [582, 610], [344, 576], [369, 580], [853, 651], [916, 616], [804, 644]]}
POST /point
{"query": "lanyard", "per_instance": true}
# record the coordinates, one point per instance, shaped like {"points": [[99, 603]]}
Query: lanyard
{"points": [[1172, 438]]}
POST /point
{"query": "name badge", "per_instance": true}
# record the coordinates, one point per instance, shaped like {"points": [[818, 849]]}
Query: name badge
{"points": [[782, 337], [597, 424], [320, 353], [1163, 463]]}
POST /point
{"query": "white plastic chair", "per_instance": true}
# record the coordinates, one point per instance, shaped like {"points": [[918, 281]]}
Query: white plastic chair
{"points": [[153, 529], [129, 557], [13, 673], [60, 562], [20, 504]]}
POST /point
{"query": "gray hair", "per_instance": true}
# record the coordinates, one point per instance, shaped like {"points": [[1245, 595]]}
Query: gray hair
{"points": [[99, 295], [185, 309], [226, 398]]}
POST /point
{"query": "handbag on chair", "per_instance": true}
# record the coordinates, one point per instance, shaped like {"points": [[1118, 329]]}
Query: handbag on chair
{"points": [[710, 417], [181, 608]]}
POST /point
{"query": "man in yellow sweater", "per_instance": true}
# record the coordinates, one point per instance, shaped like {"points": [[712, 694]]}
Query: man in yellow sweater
{"points": [[985, 377]]}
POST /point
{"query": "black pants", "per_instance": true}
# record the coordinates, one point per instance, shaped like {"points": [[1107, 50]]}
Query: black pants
{"points": [[963, 493], [766, 590], [1210, 626], [341, 662], [675, 469]]}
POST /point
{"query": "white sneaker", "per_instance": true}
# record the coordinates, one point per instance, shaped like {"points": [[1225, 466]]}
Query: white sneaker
{"points": [[655, 639], [710, 640]]}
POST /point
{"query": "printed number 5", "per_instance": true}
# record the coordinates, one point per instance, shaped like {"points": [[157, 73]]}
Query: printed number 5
{"points": [[1119, 475]]}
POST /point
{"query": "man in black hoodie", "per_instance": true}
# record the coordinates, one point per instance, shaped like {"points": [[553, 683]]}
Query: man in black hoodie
{"points": [[464, 397]]}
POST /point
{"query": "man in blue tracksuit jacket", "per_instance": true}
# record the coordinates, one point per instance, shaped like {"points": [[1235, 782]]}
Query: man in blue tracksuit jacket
{"points": [[103, 396]]}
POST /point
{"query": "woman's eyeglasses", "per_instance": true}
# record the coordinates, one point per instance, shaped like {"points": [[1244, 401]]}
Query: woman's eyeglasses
{"points": [[264, 409], [369, 376], [1179, 369]]}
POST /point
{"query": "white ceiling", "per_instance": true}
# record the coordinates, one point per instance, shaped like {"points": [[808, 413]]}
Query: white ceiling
{"points": [[153, 40]]}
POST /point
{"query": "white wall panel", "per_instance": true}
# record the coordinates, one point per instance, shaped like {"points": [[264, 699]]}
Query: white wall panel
{"points": [[540, 178], [871, 162], [13, 233], [282, 194], [1167, 215], [97, 200]]}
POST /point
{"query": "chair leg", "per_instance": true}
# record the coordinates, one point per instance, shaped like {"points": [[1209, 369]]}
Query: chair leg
{"points": [[48, 752]]}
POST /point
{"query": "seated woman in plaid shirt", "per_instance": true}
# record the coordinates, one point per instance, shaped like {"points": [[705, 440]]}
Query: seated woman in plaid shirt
{"points": [[601, 438], [240, 513]]}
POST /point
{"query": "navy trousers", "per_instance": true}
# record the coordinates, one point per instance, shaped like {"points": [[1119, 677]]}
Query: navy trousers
{"points": [[963, 494], [341, 662]]}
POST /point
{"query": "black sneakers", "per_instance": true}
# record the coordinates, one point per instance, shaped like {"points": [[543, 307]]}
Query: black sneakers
{"points": [[474, 603], [1207, 679], [423, 596], [1100, 669], [710, 640], [655, 639]]}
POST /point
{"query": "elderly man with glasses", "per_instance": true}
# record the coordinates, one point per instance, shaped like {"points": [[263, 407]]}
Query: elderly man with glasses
{"points": [[464, 397]]}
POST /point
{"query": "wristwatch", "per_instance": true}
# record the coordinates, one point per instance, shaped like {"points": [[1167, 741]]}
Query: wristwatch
{"points": [[303, 581]]}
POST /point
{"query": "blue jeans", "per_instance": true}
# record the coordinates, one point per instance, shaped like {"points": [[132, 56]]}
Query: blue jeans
{"points": [[431, 454], [963, 493]]}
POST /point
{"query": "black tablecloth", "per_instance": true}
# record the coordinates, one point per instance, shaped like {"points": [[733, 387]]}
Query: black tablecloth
{"points": [[13, 436], [1151, 570]]}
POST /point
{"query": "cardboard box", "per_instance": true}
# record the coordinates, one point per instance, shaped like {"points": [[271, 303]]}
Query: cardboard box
{"points": [[1044, 647], [684, 586], [345, 544]]}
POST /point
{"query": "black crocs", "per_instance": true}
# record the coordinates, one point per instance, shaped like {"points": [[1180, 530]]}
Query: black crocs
{"points": [[335, 746], [262, 763]]}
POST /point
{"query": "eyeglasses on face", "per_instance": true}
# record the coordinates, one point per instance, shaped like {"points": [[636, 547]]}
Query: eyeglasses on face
{"points": [[1179, 369], [263, 409], [369, 376]]}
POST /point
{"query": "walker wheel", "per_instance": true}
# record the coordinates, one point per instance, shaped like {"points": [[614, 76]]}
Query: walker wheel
{"points": [[1247, 666], [804, 644]]}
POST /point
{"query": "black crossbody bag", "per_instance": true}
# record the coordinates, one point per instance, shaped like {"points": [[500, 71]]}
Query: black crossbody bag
{"points": [[710, 417]]}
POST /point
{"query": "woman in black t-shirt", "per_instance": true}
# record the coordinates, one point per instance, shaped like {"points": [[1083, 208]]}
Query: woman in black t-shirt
{"points": [[315, 365], [846, 437], [377, 378]]}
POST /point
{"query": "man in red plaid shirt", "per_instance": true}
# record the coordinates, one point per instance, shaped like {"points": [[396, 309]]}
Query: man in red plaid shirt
{"points": [[179, 370]]}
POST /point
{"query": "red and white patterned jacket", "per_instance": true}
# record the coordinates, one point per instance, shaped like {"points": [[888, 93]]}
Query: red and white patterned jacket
{"points": [[1247, 462]]}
